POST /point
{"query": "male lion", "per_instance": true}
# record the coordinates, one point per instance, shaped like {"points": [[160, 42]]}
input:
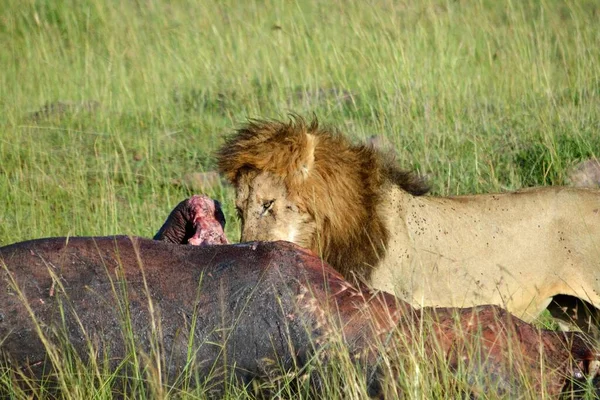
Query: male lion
{"points": [[299, 182]]}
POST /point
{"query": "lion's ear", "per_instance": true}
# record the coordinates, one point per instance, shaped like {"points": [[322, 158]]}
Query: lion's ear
{"points": [[307, 160]]}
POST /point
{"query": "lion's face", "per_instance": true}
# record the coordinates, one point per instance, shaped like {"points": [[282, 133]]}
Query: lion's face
{"points": [[269, 212]]}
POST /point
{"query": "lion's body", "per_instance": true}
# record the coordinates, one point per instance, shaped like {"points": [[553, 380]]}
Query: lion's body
{"points": [[516, 250], [308, 185]]}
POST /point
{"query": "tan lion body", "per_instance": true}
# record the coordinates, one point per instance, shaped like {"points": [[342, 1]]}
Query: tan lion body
{"points": [[305, 184], [516, 250]]}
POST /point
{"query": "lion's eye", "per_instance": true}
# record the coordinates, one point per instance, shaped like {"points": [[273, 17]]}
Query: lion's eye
{"points": [[267, 205]]}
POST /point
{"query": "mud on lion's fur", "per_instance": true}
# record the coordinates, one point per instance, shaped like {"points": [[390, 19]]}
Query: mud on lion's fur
{"points": [[300, 182]]}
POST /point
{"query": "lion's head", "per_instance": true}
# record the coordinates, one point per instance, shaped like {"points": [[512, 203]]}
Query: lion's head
{"points": [[299, 182]]}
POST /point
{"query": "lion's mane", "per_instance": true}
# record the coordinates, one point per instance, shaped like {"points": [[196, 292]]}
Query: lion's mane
{"points": [[340, 184]]}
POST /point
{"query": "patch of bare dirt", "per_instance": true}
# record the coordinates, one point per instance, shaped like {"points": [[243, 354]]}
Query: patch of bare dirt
{"points": [[199, 181], [58, 109]]}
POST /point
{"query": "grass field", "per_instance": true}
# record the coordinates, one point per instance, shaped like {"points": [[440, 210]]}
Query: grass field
{"points": [[106, 105]]}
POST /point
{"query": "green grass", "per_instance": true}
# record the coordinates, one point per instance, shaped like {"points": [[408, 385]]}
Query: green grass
{"points": [[479, 95]]}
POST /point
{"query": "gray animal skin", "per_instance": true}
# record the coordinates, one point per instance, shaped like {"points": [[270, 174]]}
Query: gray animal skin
{"points": [[241, 297]]}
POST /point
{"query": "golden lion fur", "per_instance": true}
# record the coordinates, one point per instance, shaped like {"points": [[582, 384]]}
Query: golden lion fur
{"points": [[350, 204], [314, 164]]}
